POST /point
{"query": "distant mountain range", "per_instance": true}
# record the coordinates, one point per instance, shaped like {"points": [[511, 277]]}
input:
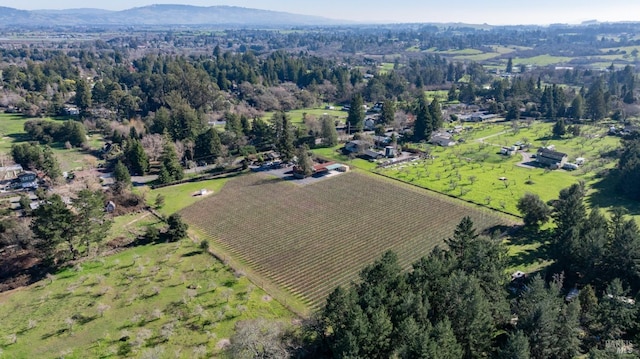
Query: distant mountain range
{"points": [[159, 15]]}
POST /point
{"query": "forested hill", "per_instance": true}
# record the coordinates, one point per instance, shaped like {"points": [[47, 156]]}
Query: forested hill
{"points": [[159, 15]]}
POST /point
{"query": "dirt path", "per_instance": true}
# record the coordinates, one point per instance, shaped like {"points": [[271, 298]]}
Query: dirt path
{"points": [[481, 140]]}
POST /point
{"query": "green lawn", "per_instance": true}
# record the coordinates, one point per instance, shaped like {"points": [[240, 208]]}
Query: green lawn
{"points": [[182, 195], [334, 154], [169, 299], [541, 60], [296, 116]]}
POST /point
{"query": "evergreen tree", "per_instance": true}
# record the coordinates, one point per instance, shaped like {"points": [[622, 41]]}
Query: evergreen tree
{"points": [[121, 174], [452, 95], [208, 145], [305, 164], [136, 158], [463, 235], [435, 112], [628, 175], [75, 133], [163, 175], [161, 121], [54, 224], [517, 347], [616, 313], [50, 164], [83, 95], [577, 107], [171, 162], [329, 133], [510, 65], [422, 126], [596, 104], [177, 228], [388, 112], [284, 136], [91, 217], [355, 118], [559, 129]]}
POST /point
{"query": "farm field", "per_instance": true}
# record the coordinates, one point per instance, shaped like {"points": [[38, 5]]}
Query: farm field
{"points": [[473, 170], [311, 239], [12, 131], [166, 300]]}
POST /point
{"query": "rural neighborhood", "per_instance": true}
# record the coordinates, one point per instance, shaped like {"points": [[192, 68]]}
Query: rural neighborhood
{"points": [[181, 181]]}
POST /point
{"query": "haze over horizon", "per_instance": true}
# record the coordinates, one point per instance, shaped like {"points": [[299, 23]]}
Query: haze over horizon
{"points": [[495, 12]]}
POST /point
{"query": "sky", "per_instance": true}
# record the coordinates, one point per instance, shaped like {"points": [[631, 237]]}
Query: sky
{"points": [[495, 12]]}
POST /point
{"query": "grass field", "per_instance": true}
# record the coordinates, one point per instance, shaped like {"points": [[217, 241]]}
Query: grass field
{"points": [[311, 239], [12, 131], [472, 170], [182, 195], [169, 299], [296, 116]]}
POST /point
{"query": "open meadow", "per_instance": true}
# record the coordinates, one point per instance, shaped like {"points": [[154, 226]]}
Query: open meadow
{"points": [[310, 239], [168, 300], [12, 131]]}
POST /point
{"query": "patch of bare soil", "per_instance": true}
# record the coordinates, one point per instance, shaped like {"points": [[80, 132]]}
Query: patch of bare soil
{"points": [[223, 344], [18, 268]]}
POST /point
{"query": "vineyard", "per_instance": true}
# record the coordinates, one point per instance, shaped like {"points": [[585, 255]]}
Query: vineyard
{"points": [[311, 239]]}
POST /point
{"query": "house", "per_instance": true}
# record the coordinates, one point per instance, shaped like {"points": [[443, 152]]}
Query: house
{"points": [[10, 172], [369, 123], [28, 179], [355, 146], [551, 158], [477, 117], [442, 139], [371, 155], [381, 141], [71, 111]]}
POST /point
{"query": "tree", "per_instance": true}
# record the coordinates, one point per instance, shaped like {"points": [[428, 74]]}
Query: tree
{"points": [[177, 228], [577, 107], [509, 65], [91, 217], [534, 211], [121, 174], [329, 133], [616, 314], [559, 129], [435, 112], [422, 126], [83, 95], [28, 155], [25, 204], [284, 136], [463, 235], [596, 105], [171, 163], [517, 347], [53, 224], [628, 168], [75, 133], [257, 339], [136, 157], [305, 164], [355, 118], [208, 145], [50, 164], [388, 112]]}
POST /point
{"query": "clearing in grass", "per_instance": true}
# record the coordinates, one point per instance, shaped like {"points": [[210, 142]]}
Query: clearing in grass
{"points": [[311, 239]]}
